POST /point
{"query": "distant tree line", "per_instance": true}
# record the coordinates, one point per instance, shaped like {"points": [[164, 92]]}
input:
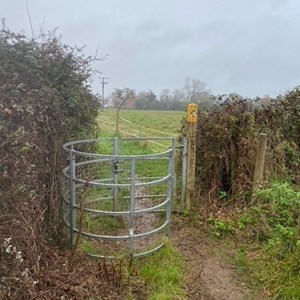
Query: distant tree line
{"points": [[193, 90]]}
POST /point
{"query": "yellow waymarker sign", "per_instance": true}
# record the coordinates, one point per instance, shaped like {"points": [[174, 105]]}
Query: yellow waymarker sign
{"points": [[192, 113]]}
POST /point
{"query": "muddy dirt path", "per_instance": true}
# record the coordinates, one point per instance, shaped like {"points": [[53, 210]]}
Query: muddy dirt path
{"points": [[209, 276]]}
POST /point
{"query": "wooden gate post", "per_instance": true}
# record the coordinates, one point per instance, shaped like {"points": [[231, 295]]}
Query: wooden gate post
{"points": [[192, 116], [260, 161]]}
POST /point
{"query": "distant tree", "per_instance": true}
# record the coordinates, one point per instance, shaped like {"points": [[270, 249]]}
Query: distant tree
{"points": [[151, 96], [147, 100], [152, 100], [178, 95], [165, 99], [141, 101], [122, 95], [178, 102], [195, 91]]}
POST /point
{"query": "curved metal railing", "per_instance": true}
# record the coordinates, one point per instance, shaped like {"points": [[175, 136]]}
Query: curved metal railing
{"points": [[118, 204]]}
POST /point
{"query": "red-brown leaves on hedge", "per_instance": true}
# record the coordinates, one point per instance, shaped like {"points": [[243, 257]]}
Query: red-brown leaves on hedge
{"points": [[227, 140], [44, 101]]}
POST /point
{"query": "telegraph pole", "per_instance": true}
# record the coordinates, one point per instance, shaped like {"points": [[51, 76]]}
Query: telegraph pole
{"points": [[103, 82]]}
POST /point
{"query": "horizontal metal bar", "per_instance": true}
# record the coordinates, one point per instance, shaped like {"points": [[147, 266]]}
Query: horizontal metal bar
{"points": [[144, 156], [106, 213], [104, 237], [87, 141], [144, 234], [124, 157], [101, 199], [147, 196], [120, 213], [138, 255], [143, 254], [122, 185], [122, 237]]}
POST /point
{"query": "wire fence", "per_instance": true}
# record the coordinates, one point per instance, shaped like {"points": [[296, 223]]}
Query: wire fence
{"points": [[130, 129]]}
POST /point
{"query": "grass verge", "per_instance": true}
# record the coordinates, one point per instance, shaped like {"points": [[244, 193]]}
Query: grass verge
{"points": [[163, 273]]}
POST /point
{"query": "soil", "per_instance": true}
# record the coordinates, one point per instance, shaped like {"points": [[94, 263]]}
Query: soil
{"points": [[210, 275]]}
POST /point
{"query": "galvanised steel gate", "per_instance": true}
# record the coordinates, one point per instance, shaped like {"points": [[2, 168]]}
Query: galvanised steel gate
{"points": [[117, 202]]}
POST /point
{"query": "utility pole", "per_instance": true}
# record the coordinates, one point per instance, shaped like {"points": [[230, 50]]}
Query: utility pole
{"points": [[103, 82]]}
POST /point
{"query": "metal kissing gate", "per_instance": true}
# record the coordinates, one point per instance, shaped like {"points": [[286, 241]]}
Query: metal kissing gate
{"points": [[115, 202]]}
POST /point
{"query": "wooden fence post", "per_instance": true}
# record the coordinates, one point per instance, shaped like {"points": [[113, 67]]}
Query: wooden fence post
{"points": [[260, 161], [192, 116]]}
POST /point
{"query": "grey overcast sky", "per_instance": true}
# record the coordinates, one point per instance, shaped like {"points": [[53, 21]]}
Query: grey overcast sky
{"points": [[250, 47]]}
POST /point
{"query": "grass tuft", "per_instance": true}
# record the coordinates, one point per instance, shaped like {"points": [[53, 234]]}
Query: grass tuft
{"points": [[164, 273]]}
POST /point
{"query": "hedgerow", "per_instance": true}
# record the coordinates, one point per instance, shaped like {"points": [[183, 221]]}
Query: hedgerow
{"points": [[264, 222], [45, 100], [227, 139]]}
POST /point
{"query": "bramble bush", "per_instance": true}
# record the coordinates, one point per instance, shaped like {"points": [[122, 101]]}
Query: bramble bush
{"points": [[227, 138]]}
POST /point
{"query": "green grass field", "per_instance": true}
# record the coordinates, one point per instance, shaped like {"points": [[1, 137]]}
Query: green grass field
{"points": [[141, 123]]}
